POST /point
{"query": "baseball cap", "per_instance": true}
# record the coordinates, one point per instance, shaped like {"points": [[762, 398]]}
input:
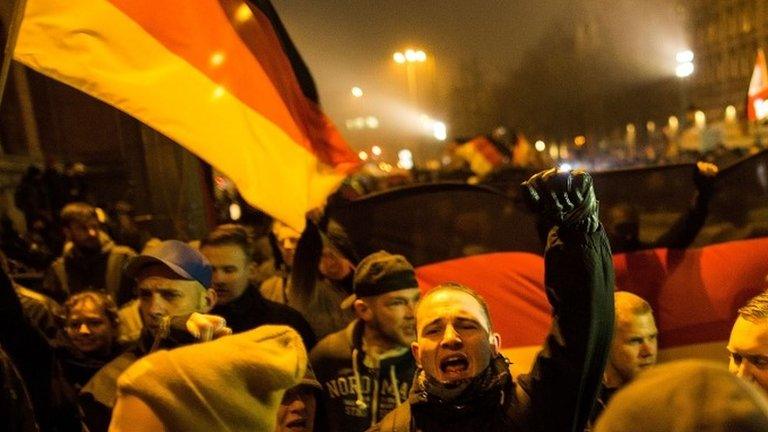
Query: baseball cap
{"points": [[380, 273], [179, 257]]}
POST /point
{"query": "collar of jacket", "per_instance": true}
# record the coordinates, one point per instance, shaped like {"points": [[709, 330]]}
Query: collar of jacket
{"points": [[354, 335], [490, 387]]}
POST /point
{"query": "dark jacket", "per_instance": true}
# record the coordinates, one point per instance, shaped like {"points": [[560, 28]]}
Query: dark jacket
{"points": [[357, 393], [16, 409], [34, 355], [76, 271], [560, 390], [251, 310]]}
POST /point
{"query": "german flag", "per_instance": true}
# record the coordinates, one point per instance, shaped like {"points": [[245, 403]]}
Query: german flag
{"points": [[220, 77]]}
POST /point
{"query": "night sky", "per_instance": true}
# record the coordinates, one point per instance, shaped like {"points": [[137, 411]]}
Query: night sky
{"points": [[348, 43]]}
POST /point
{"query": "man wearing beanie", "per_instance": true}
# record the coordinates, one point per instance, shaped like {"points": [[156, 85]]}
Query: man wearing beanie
{"points": [[234, 383], [686, 396], [366, 369], [173, 282]]}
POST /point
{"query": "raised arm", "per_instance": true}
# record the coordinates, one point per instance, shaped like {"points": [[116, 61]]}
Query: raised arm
{"points": [[579, 279]]}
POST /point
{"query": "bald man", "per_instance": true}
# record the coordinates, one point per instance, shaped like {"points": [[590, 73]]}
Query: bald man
{"points": [[633, 348]]}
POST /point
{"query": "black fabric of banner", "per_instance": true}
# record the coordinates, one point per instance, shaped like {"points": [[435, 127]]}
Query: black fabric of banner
{"points": [[436, 222]]}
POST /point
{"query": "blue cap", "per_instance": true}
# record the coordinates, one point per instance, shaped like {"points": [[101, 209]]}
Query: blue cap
{"points": [[179, 257]]}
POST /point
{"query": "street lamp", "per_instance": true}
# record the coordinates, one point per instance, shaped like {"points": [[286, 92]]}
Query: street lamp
{"points": [[357, 92], [410, 57]]}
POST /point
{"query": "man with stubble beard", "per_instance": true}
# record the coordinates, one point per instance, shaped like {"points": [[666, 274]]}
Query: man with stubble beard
{"points": [[464, 383], [366, 369]]}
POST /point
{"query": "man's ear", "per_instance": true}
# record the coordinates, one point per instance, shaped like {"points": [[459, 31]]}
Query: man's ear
{"points": [[362, 310], [495, 340], [415, 352], [252, 268], [208, 300]]}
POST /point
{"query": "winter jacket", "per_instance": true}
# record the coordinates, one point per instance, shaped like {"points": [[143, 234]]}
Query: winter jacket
{"points": [[251, 310], [359, 392], [16, 409], [76, 271], [559, 392]]}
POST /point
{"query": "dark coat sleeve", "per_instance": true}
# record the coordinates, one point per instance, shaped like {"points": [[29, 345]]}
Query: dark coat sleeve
{"points": [[566, 376]]}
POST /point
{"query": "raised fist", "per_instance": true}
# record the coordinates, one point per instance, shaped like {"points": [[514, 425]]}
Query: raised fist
{"points": [[565, 199], [207, 327]]}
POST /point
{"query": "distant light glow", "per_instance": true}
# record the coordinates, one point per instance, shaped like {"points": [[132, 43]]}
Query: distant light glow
{"points": [[730, 113], [218, 92], [554, 151], [235, 212], [404, 154], [372, 122], [421, 56], [243, 13], [376, 150], [674, 124], [362, 155], [540, 146], [580, 140], [405, 159], [217, 58], [684, 70], [399, 57], [650, 126], [385, 167], [440, 131], [410, 55], [761, 108], [700, 118], [684, 56], [357, 92], [564, 167], [631, 128]]}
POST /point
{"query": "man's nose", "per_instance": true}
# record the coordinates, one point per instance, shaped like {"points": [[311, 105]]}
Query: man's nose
{"points": [[745, 371], [451, 338], [84, 329]]}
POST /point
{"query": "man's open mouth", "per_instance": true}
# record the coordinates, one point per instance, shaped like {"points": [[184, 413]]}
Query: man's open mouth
{"points": [[297, 424], [454, 364]]}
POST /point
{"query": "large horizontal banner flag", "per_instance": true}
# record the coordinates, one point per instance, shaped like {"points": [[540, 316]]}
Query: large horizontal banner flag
{"points": [[489, 241], [220, 77]]}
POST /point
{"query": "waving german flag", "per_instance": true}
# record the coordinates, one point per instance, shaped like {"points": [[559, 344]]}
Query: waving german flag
{"points": [[220, 77]]}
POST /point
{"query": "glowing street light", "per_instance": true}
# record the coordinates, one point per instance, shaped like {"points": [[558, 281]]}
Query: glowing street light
{"points": [[684, 64], [362, 155], [399, 57], [376, 150], [684, 56], [357, 92], [540, 146], [440, 131]]}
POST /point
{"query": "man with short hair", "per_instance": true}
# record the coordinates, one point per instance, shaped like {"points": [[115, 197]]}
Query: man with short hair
{"points": [[173, 281], [229, 248], [633, 349], [91, 260], [748, 344], [366, 369], [463, 382]]}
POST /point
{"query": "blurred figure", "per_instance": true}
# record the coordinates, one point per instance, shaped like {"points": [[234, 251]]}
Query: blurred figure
{"points": [[686, 396], [299, 408], [748, 344], [623, 220], [175, 294], [633, 349], [15, 407], [230, 250], [125, 229], [91, 260], [284, 240], [231, 384], [366, 369]]}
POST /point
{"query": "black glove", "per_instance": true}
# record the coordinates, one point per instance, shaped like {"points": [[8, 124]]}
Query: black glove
{"points": [[565, 199]]}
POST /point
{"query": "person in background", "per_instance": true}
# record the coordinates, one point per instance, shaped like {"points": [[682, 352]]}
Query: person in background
{"points": [[748, 344], [366, 369], [229, 248], [91, 260], [300, 410]]}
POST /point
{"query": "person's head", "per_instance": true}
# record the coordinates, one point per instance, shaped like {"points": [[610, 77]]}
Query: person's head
{"points": [[338, 257], [455, 339], [386, 294], [299, 408], [634, 345], [172, 279], [686, 396], [748, 344], [229, 249], [286, 238], [81, 225], [91, 322]]}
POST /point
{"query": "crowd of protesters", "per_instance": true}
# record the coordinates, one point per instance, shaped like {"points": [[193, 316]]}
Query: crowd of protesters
{"points": [[297, 332]]}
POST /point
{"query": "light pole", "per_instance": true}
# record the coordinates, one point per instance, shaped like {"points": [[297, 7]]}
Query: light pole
{"points": [[410, 57]]}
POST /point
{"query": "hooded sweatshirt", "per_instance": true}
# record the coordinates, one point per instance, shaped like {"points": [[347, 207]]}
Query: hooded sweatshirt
{"points": [[360, 389], [234, 383]]}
